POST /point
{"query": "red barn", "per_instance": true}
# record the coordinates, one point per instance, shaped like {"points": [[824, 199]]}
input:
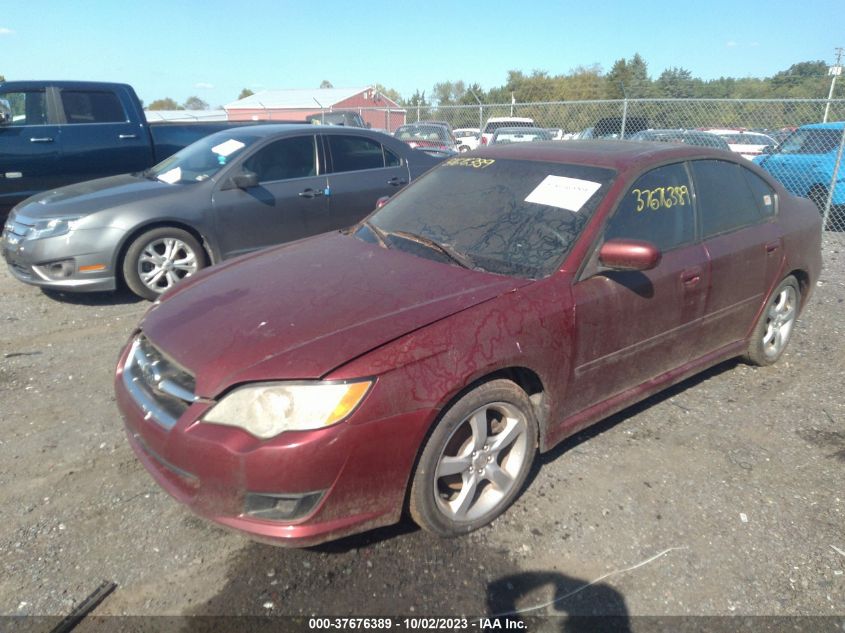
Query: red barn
{"points": [[294, 105]]}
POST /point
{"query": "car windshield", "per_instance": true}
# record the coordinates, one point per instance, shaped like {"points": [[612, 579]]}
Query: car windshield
{"points": [[422, 133], [517, 135], [203, 159], [512, 217], [811, 142]]}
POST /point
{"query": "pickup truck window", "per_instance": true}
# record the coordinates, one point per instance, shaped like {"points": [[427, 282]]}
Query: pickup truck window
{"points": [[29, 107], [82, 106]]}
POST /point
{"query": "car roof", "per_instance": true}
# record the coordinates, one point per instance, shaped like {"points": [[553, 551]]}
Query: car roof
{"points": [[835, 125], [612, 154]]}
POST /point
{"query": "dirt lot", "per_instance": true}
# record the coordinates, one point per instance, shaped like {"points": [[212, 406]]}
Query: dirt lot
{"points": [[724, 496]]}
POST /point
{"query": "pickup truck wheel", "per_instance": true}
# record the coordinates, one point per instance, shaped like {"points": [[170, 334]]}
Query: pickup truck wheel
{"points": [[476, 460], [159, 259]]}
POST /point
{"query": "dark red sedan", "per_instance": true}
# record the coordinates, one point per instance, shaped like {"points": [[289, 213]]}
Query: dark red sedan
{"points": [[419, 360]]}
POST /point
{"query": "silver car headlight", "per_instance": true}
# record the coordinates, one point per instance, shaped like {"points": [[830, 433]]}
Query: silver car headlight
{"points": [[267, 409], [52, 227]]}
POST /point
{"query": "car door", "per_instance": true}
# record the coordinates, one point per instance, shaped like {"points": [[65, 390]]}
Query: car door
{"points": [[361, 170], [29, 147], [633, 326], [288, 203], [98, 139], [744, 245]]}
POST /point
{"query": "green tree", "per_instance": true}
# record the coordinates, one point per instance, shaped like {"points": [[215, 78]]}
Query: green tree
{"points": [[246, 92], [195, 103], [390, 93], [164, 104], [675, 83], [628, 78], [326, 84]]}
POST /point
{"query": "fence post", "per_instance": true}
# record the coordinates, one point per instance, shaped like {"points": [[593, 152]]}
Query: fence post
{"points": [[826, 215], [624, 118]]}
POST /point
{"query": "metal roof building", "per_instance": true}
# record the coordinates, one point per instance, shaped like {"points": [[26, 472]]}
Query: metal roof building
{"points": [[286, 105]]}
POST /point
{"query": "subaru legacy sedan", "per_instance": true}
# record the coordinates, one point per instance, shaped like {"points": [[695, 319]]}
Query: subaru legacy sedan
{"points": [[230, 193], [419, 361]]}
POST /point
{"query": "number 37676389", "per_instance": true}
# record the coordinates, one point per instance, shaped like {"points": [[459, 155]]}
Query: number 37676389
{"points": [[661, 197]]}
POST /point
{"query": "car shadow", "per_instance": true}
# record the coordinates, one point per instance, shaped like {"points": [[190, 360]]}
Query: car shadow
{"points": [[521, 601], [122, 296]]}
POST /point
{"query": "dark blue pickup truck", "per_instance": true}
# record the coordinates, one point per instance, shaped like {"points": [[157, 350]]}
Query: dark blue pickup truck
{"points": [[54, 133]]}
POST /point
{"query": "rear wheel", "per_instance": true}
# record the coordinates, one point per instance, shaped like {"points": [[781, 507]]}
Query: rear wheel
{"points": [[775, 325], [475, 461], [159, 259]]}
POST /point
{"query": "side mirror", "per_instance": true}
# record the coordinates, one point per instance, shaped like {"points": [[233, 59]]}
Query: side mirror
{"points": [[623, 254], [245, 180], [5, 112], [768, 149]]}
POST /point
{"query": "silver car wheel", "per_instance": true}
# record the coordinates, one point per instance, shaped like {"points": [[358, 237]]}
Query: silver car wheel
{"points": [[481, 462], [779, 322], [164, 262]]}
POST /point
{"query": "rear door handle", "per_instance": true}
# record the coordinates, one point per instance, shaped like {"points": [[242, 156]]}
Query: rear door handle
{"points": [[310, 193], [41, 139], [127, 136], [772, 247], [396, 181]]}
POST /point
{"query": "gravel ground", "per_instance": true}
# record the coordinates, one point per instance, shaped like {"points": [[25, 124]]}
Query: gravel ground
{"points": [[722, 496]]}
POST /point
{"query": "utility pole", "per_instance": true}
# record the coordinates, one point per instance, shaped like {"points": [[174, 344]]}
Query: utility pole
{"points": [[834, 72]]}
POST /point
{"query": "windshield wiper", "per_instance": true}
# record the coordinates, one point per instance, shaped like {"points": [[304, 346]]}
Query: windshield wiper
{"points": [[447, 250], [380, 235]]}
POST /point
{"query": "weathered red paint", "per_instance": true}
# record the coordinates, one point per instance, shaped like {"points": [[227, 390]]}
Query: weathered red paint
{"points": [[333, 307]]}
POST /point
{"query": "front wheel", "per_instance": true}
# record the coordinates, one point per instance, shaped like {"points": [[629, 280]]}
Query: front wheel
{"points": [[159, 259], [476, 460], [774, 327]]}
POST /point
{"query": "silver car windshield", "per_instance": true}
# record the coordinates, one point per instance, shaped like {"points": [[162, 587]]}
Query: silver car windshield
{"points": [[203, 159]]}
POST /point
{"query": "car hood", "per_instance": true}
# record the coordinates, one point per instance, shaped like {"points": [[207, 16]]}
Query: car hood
{"points": [[88, 197], [303, 309]]}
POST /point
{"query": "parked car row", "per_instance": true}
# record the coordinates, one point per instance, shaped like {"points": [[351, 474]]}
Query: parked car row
{"points": [[228, 194]]}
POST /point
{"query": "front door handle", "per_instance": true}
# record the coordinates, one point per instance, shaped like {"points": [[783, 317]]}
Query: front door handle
{"points": [[691, 277], [310, 193], [772, 247], [396, 181], [127, 136], [41, 139]]}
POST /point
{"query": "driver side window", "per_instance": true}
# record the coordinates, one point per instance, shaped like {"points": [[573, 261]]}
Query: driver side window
{"points": [[657, 208], [29, 107], [285, 159]]}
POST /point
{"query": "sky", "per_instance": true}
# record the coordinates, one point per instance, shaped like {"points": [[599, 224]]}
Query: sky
{"points": [[214, 49]]}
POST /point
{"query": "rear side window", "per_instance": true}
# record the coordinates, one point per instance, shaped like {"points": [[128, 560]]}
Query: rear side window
{"points": [[29, 107], [82, 106], [763, 194], [725, 201], [657, 209], [354, 153]]}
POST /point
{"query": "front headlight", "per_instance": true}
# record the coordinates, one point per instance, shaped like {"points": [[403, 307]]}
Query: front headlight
{"points": [[51, 228], [267, 409]]}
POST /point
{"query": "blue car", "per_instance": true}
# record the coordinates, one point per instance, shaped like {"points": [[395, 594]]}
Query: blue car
{"points": [[804, 163]]}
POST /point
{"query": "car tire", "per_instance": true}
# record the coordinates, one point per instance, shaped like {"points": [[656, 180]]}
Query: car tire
{"points": [[160, 258], [774, 327], [475, 461], [818, 195]]}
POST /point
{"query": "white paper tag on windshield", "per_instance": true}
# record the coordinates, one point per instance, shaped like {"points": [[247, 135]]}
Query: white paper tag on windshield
{"points": [[228, 147], [563, 192], [171, 176]]}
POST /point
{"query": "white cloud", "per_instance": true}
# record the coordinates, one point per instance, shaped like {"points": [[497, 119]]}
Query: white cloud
{"points": [[731, 44], [204, 85], [5, 31]]}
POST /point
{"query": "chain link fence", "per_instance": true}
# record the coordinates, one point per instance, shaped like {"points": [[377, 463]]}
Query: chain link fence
{"points": [[806, 160]]}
